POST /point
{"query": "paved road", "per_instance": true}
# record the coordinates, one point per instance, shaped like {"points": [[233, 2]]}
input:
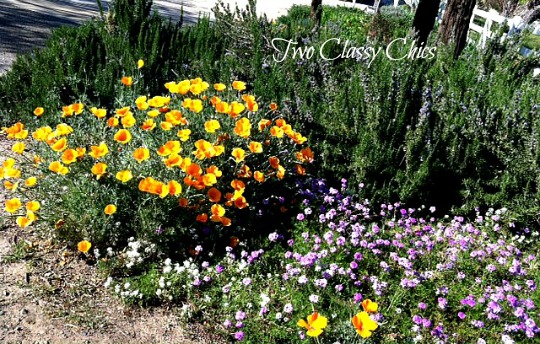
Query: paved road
{"points": [[26, 24]]}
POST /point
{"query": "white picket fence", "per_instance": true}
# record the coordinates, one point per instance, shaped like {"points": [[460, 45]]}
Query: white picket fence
{"points": [[488, 17]]}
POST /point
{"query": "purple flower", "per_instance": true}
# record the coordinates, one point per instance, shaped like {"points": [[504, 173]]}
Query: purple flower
{"points": [[339, 287], [357, 298], [219, 268], [422, 306], [300, 217], [227, 323], [461, 315], [240, 315], [239, 336], [442, 302], [313, 298], [246, 281]]}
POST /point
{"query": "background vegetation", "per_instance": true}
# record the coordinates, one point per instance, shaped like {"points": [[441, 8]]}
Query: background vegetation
{"points": [[453, 134]]}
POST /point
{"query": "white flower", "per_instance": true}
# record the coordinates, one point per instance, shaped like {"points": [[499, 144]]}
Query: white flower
{"points": [[279, 315], [108, 282], [264, 300], [313, 298], [506, 339]]}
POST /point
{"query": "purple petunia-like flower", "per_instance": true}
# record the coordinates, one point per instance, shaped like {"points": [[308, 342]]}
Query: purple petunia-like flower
{"points": [[239, 336]]}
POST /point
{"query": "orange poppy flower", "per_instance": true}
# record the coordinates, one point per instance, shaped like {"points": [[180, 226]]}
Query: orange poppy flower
{"points": [[69, 156], [255, 147], [217, 210], [113, 122], [183, 202], [264, 123], [84, 246], [273, 106], [57, 167], [258, 176], [238, 185], [214, 195], [141, 154], [274, 162], [194, 170], [110, 209], [127, 81], [202, 218], [123, 136]]}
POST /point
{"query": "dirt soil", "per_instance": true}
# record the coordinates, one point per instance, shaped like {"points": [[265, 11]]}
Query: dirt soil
{"points": [[48, 294]]}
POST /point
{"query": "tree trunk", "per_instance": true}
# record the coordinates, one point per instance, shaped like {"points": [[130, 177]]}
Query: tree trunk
{"points": [[316, 13], [455, 23], [424, 19]]}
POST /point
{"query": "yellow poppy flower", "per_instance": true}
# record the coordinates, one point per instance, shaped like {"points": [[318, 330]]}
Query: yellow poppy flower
{"points": [[220, 87], [140, 64], [99, 113], [124, 176], [239, 154], [363, 324], [23, 222], [184, 134], [12, 205], [57, 167], [175, 188], [211, 126], [141, 154], [99, 169], [59, 145], [99, 151], [113, 122], [39, 111], [33, 206], [243, 127], [314, 325], [258, 176], [370, 306], [217, 210], [18, 147], [239, 85], [31, 181]]}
